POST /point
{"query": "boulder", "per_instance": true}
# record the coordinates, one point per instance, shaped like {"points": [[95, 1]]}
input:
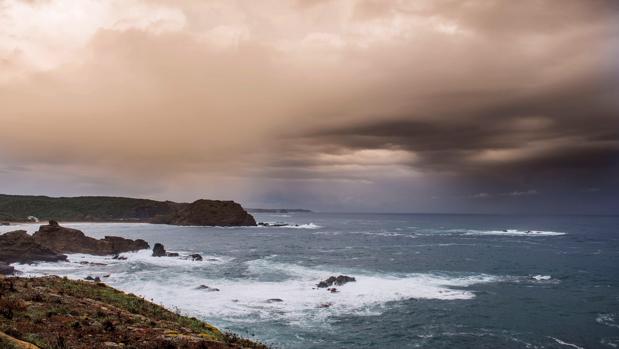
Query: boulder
{"points": [[209, 213], [338, 281], [6, 269], [19, 247], [208, 288], [274, 300], [195, 257], [67, 240], [159, 250]]}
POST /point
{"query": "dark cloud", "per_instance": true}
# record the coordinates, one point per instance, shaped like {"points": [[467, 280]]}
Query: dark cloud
{"points": [[340, 104]]}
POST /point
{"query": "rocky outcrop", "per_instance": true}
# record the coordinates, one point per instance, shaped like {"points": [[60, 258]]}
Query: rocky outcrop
{"points": [[19, 247], [67, 240], [209, 213], [338, 281], [6, 269], [159, 251]]}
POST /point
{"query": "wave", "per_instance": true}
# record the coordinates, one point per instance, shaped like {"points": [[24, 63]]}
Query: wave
{"points": [[244, 295], [513, 232], [285, 225], [541, 277], [566, 343], [607, 319]]}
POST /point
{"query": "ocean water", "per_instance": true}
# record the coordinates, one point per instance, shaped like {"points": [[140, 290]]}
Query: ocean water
{"points": [[423, 281]]}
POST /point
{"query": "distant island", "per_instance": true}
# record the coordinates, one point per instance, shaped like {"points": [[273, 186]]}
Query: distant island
{"points": [[278, 210], [24, 208]]}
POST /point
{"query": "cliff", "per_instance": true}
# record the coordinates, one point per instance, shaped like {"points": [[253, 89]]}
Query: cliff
{"points": [[120, 209], [53, 312]]}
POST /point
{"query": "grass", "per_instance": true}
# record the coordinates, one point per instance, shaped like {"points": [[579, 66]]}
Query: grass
{"points": [[54, 312]]}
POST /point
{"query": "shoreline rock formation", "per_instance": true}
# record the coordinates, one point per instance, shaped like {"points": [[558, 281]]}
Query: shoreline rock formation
{"points": [[209, 213], [337, 281], [19, 247], [17, 208], [67, 240]]}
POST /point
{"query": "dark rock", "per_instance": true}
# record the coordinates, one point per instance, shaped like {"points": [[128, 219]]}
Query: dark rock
{"points": [[6, 269], [126, 245], [19, 247], [119, 257], [325, 305], [53, 223], [159, 250], [338, 281], [275, 300], [97, 279], [209, 213], [66, 240], [5, 223], [208, 288], [333, 290], [89, 278], [195, 257]]}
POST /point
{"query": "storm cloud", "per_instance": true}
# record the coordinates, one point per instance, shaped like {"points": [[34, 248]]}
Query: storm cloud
{"points": [[337, 105]]}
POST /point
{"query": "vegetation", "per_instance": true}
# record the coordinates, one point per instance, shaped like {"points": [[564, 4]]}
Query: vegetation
{"points": [[84, 208], [55, 313]]}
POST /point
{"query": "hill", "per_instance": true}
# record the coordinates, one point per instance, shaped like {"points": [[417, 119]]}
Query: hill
{"points": [[17, 208]]}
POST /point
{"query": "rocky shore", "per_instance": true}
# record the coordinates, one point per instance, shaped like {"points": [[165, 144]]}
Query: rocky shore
{"points": [[53, 312], [51, 241]]}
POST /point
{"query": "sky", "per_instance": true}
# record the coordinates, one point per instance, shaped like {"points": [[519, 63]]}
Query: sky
{"points": [[471, 106]]}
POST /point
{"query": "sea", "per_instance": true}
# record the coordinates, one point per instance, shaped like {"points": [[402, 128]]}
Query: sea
{"points": [[422, 280]]}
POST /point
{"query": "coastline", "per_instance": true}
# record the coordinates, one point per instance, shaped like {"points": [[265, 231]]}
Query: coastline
{"points": [[55, 312]]}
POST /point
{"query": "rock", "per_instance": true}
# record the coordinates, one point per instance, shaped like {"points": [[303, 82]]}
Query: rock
{"points": [[195, 257], [97, 279], [274, 300], [208, 288], [119, 257], [333, 290], [126, 245], [159, 250], [209, 213], [5, 223], [89, 278], [325, 305], [19, 247], [67, 240], [6, 269], [338, 281]]}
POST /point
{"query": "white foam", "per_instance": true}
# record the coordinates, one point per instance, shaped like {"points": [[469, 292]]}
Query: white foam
{"points": [[541, 277], [607, 319], [245, 298], [566, 343], [513, 232], [303, 226]]}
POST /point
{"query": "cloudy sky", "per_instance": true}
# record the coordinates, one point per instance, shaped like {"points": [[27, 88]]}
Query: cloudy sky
{"points": [[335, 105]]}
